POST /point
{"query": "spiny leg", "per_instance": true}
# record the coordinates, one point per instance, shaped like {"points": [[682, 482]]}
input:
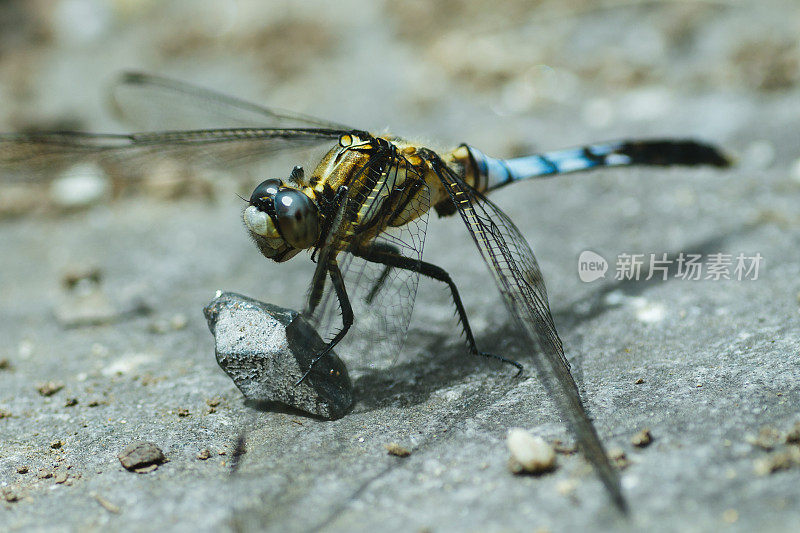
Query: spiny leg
{"points": [[347, 314], [391, 259], [382, 247], [317, 288]]}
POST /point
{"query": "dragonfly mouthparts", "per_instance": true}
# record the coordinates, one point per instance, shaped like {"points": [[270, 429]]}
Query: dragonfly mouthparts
{"points": [[260, 223]]}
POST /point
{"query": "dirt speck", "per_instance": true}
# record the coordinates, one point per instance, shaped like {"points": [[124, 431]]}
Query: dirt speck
{"points": [[70, 402], [642, 439], [5, 364], [182, 412], [5, 414], [792, 436], [767, 438], [49, 388], [564, 448], [618, 458], [105, 504], [782, 460], [22, 469], [9, 495], [395, 449], [212, 404], [638, 381], [57, 444], [204, 454]]}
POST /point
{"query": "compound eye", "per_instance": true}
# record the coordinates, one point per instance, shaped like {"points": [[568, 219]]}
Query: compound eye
{"points": [[264, 192], [298, 218]]}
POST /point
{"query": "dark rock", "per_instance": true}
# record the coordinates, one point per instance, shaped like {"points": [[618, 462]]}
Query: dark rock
{"points": [[266, 349], [141, 457]]}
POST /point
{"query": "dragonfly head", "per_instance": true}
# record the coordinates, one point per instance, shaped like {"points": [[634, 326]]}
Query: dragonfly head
{"points": [[281, 219]]}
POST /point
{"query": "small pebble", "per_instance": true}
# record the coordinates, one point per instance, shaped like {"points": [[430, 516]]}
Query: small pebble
{"points": [[767, 438], [22, 470], [774, 462], [618, 458], [5, 414], [44, 474], [566, 487], [71, 402], [141, 457], [642, 439], [563, 448], [5, 364], [49, 388], [77, 275], [182, 412], [57, 444], [61, 478], [9, 495], [395, 449], [204, 454], [638, 381], [107, 505], [529, 454], [212, 404], [80, 186]]}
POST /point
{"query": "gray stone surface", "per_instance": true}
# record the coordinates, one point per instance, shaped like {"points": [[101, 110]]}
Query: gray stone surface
{"points": [[267, 350], [703, 364]]}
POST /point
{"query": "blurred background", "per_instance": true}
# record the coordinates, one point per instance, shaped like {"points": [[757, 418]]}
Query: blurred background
{"points": [[525, 77], [510, 78], [546, 71]]}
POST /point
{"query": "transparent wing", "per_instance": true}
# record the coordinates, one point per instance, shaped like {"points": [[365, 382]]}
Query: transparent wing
{"points": [[519, 279], [147, 103], [25, 157], [382, 298]]}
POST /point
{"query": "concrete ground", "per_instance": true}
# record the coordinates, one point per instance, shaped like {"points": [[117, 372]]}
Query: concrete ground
{"points": [[710, 366]]}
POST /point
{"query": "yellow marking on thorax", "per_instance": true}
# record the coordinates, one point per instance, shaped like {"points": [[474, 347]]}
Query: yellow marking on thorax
{"points": [[340, 164]]}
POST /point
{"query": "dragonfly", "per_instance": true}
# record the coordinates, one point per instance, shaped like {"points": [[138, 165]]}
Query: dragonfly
{"points": [[362, 213]]}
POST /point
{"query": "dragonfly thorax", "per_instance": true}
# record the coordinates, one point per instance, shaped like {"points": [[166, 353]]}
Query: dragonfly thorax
{"points": [[282, 220]]}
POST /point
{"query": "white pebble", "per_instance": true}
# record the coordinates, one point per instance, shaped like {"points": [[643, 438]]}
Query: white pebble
{"points": [[79, 186], [650, 313], [529, 453]]}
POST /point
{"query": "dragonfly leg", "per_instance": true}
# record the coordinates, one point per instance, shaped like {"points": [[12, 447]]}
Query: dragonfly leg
{"points": [[392, 259], [347, 315], [383, 247], [317, 288]]}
